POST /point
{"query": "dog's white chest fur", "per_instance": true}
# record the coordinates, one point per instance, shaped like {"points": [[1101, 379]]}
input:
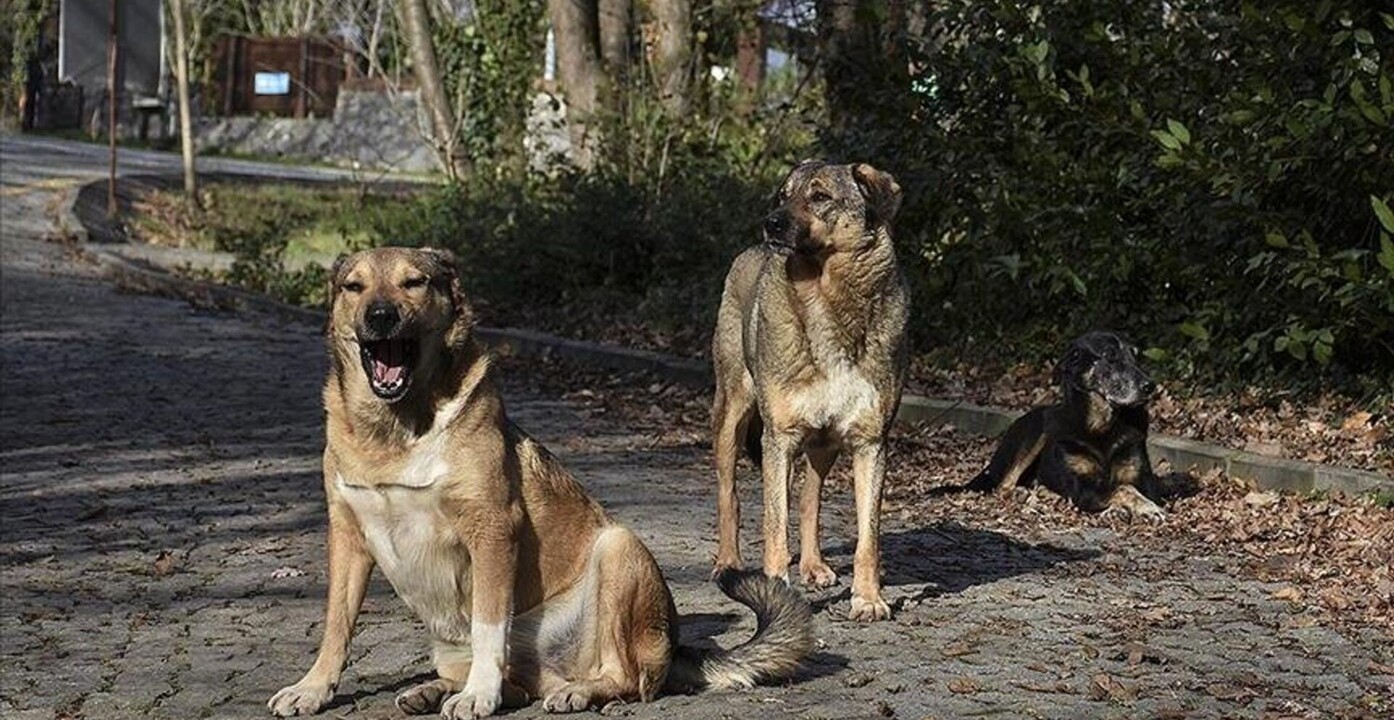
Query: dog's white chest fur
{"points": [[837, 400], [843, 395], [417, 547]]}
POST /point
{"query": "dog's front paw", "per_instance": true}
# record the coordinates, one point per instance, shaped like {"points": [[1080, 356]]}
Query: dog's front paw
{"points": [[572, 697], [469, 704], [424, 698], [817, 575], [869, 609], [302, 698], [1143, 509], [723, 564], [1115, 512], [1149, 511]]}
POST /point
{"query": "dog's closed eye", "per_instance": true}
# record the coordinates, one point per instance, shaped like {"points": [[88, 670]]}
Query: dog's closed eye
{"points": [[352, 286], [412, 283]]}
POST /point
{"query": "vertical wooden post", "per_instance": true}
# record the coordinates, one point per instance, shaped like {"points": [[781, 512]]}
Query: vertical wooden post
{"points": [[230, 81], [302, 97], [112, 49], [186, 122]]}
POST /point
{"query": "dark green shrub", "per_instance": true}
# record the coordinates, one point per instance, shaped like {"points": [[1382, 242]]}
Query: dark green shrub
{"points": [[1202, 175]]}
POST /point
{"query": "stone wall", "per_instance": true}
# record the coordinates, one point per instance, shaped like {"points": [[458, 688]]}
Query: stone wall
{"points": [[370, 129]]}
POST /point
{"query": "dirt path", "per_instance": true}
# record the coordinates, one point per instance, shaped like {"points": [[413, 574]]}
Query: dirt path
{"points": [[161, 546]]}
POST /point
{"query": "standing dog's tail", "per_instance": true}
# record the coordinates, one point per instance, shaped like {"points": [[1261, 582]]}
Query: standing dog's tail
{"points": [[783, 638]]}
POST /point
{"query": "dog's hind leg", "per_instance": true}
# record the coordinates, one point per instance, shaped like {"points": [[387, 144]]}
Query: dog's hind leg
{"points": [[452, 661], [733, 411], [777, 468], [426, 698], [813, 571], [452, 669], [628, 654], [1016, 454]]}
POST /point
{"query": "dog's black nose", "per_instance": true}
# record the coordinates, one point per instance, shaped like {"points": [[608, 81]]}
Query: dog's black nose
{"points": [[1148, 388], [382, 317], [775, 224]]}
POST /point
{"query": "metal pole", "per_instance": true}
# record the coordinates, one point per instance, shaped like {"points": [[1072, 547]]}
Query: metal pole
{"points": [[113, 42]]}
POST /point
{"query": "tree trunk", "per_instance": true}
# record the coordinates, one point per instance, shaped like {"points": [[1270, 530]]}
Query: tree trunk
{"points": [[181, 81], [615, 26], [672, 50], [417, 24], [750, 56], [575, 31], [113, 52], [864, 64]]}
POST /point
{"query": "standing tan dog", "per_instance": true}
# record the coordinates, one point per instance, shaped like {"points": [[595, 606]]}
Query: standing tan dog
{"points": [[810, 354], [525, 587]]}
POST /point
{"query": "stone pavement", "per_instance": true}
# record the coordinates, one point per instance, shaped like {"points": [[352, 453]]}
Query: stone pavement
{"points": [[161, 551]]}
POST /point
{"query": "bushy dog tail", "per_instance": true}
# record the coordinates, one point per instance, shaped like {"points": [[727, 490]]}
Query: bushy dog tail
{"points": [[783, 638]]}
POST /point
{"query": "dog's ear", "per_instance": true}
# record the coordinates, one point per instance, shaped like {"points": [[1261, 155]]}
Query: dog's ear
{"points": [[446, 276], [1071, 367], [881, 191], [336, 277]]}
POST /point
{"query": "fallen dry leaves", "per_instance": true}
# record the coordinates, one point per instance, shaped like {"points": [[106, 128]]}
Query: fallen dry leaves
{"points": [[1106, 687], [964, 686], [163, 564]]}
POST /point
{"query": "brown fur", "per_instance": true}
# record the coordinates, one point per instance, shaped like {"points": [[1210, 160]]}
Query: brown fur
{"points": [[527, 589], [810, 352]]}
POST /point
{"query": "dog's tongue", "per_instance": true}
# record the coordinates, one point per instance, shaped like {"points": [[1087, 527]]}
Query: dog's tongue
{"points": [[387, 363]]}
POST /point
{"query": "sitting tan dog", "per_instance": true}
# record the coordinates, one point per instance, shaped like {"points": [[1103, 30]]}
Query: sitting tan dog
{"points": [[526, 588], [810, 356]]}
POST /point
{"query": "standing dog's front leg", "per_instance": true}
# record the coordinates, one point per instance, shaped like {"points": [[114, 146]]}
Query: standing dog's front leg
{"points": [[493, 565], [868, 477], [349, 568], [777, 467]]}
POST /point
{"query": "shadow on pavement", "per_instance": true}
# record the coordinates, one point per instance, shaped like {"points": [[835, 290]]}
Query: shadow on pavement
{"points": [[948, 558]]}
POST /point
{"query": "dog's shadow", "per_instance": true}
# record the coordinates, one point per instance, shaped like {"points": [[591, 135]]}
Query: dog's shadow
{"points": [[1174, 486], [947, 558]]}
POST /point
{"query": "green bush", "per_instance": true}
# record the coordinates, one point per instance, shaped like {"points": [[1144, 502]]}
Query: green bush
{"points": [[281, 235], [1204, 177]]}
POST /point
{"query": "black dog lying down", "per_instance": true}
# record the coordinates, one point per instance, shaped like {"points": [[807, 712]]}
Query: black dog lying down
{"points": [[1092, 447]]}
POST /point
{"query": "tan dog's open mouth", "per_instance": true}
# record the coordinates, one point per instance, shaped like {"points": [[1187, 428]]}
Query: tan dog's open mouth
{"points": [[389, 364]]}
